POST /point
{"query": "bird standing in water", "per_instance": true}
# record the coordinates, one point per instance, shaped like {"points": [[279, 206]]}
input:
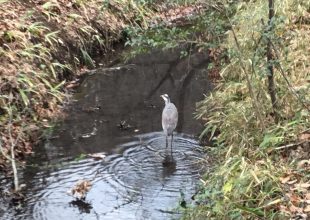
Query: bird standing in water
{"points": [[169, 119]]}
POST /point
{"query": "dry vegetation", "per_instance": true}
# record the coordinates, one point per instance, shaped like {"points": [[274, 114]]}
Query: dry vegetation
{"points": [[45, 45], [264, 167]]}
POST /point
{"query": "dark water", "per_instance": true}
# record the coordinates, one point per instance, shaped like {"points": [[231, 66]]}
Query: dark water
{"points": [[117, 111]]}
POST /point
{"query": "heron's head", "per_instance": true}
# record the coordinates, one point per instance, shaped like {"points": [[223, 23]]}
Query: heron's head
{"points": [[165, 98]]}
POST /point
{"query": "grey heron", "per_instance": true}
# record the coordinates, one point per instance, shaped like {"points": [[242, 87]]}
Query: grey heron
{"points": [[169, 119]]}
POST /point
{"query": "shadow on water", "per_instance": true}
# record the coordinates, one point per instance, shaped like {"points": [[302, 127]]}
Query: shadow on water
{"points": [[118, 111]]}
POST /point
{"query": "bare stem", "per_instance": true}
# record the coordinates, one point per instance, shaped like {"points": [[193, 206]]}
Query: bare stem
{"points": [[250, 87], [15, 174], [286, 80], [270, 59]]}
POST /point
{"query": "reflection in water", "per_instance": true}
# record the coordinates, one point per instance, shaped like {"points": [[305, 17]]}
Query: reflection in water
{"points": [[131, 185], [84, 207], [169, 165], [118, 112]]}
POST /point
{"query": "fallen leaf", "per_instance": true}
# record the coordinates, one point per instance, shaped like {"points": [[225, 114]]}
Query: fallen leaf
{"points": [[293, 198], [302, 163], [284, 209], [80, 189], [303, 185], [285, 179], [295, 209], [71, 85], [292, 182], [307, 209], [304, 137]]}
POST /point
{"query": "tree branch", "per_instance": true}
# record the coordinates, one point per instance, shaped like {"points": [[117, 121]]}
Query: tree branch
{"points": [[270, 60], [15, 174], [251, 89], [285, 78]]}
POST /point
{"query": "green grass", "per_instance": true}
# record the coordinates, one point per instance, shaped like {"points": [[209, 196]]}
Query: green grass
{"points": [[246, 181], [44, 45]]}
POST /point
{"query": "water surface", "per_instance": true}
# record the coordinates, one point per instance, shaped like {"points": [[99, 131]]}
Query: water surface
{"points": [[117, 111]]}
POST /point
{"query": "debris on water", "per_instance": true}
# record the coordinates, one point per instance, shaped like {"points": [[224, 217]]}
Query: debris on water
{"points": [[148, 104], [123, 125], [91, 109], [17, 199], [72, 84], [84, 207], [97, 156], [80, 157], [80, 189], [182, 201], [168, 161], [88, 135]]}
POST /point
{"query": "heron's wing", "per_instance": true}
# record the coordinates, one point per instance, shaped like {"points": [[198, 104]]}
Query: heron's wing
{"points": [[170, 117]]}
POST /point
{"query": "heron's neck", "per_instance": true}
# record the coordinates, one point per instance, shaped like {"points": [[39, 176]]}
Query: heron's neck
{"points": [[167, 101]]}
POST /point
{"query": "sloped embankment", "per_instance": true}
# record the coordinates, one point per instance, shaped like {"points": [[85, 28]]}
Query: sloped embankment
{"points": [[261, 149], [43, 46], [46, 45]]}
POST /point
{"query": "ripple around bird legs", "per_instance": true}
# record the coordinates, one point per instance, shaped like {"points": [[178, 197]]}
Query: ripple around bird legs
{"points": [[143, 160], [182, 147], [135, 181]]}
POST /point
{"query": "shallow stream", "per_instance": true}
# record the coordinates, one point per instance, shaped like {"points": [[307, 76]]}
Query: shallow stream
{"points": [[117, 112]]}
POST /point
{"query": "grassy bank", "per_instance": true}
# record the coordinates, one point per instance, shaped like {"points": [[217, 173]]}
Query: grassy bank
{"points": [[262, 153], [44, 47]]}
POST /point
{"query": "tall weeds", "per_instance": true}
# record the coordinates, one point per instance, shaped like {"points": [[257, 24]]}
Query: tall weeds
{"points": [[44, 46], [260, 173]]}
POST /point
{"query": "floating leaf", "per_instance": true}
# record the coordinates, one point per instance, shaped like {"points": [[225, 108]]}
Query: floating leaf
{"points": [[97, 156], [80, 189]]}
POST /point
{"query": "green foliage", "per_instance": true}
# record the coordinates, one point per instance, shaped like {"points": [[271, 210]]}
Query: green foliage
{"points": [[245, 182], [205, 32], [87, 59], [144, 40]]}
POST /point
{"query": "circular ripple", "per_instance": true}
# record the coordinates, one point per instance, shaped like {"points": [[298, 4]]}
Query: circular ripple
{"points": [[142, 164], [130, 184]]}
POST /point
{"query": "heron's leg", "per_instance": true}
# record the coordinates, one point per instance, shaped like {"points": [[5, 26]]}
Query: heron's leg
{"points": [[166, 141], [171, 144]]}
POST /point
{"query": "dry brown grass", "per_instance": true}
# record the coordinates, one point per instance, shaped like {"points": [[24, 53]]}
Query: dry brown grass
{"points": [[262, 172]]}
